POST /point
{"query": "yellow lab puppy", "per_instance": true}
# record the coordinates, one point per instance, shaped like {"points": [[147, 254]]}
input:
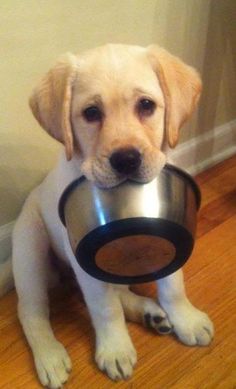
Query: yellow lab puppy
{"points": [[114, 108]]}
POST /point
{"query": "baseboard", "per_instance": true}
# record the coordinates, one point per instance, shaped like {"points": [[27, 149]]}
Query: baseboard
{"points": [[195, 155], [206, 150], [5, 241]]}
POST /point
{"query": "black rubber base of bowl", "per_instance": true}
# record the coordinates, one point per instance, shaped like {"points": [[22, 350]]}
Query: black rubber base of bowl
{"points": [[92, 242]]}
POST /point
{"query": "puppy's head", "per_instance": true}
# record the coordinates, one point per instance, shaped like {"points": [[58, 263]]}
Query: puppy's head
{"points": [[114, 106]]}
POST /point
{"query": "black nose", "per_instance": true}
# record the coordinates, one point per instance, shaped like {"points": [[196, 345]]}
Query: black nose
{"points": [[126, 161]]}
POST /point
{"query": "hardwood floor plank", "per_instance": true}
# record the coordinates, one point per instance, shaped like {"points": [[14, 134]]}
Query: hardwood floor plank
{"points": [[216, 212], [216, 171], [217, 184]]}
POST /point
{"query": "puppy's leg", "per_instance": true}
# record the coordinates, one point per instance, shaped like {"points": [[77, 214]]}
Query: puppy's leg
{"points": [[143, 310], [115, 353], [32, 275], [193, 327]]}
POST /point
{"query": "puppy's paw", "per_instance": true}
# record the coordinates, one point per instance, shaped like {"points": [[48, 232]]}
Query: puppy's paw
{"points": [[154, 317], [192, 327], [116, 356], [53, 365]]}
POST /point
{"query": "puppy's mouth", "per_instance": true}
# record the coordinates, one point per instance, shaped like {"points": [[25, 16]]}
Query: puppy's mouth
{"points": [[100, 173], [104, 175]]}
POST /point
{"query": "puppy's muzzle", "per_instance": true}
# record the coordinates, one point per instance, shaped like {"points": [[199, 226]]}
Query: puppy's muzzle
{"points": [[126, 161]]}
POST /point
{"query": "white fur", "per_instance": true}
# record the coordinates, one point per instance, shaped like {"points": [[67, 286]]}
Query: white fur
{"points": [[37, 229], [38, 225]]}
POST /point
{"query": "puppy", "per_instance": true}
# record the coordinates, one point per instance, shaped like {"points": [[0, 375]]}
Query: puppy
{"points": [[114, 109]]}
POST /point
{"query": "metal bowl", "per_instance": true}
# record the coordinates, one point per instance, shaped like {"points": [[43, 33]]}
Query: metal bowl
{"points": [[134, 232]]}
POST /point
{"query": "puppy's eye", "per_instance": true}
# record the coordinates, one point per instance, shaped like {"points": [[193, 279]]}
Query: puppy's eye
{"points": [[146, 107], [92, 114]]}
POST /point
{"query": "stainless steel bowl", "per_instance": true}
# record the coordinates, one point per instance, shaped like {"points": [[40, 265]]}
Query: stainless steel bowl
{"points": [[134, 232]]}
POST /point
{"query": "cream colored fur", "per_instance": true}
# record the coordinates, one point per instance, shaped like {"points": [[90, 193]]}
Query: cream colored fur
{"points": [[114, 77]]}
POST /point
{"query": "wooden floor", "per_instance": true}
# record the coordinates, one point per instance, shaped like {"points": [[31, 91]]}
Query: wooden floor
{"points": [[163, 362]]}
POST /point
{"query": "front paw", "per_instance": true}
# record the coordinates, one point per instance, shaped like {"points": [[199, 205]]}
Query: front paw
{"points": [[192, 326], [116, 355], [52, 364]]}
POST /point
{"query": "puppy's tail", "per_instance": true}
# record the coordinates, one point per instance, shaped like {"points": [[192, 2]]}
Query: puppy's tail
{"points": [[6, 277]]}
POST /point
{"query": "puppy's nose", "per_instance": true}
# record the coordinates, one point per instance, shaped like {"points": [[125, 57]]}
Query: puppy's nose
{"points": [[126, 161]]}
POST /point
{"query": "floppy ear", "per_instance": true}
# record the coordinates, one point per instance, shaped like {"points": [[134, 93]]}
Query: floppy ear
{"points": [[50, 101], [181, 86]]}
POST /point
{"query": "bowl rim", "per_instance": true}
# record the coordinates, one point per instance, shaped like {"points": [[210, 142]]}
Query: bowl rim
{"points": [[169, 167]]}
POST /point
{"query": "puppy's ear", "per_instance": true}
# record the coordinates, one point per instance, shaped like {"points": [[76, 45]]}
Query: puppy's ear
{"points": [[50, 101], [181, 86]]}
